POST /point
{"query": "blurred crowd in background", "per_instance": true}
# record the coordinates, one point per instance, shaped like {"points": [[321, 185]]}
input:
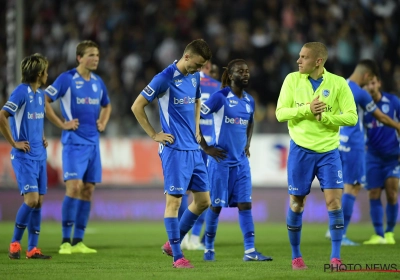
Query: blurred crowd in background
{"points": [[138, 38]]}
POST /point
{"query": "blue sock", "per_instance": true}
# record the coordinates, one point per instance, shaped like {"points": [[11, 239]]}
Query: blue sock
{"points": [[247, 227], [81, 221], [294, 224], [347, 206], [391, 216], [211, 228], [336, 226], [196, 230], [186, 222], [34, 228], [172, 227], [376, 213], [183, 207], [21, 221], [69, 208]]}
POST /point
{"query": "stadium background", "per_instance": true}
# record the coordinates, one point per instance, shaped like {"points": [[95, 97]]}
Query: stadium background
{"points": [[138, 38]]}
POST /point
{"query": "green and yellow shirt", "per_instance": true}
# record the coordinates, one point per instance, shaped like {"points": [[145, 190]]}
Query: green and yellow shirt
{"points": [[294, 107]]}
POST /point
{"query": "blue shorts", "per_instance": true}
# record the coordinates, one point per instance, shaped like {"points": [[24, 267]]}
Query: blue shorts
{"points": [[229, 185], [379, 169], [303, 165], [31, 175], [183, 171], [353, 163], [82, 162]]}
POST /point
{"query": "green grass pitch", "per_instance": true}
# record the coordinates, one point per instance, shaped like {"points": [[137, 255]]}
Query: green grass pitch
{"points": [[131, 250]]}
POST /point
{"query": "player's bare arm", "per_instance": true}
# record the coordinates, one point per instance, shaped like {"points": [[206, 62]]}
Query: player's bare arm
{"points": [[6, 131], [141, 116], [45, 143], [386, 120], [54, 119], [104, 117], [197, 118], [249, 135]]}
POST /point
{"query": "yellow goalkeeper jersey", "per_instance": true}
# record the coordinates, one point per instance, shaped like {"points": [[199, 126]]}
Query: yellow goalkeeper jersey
{"points": [[294, 107]]}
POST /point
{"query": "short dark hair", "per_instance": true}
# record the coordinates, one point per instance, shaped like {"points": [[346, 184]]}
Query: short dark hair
{"points": [[82, 46], [32, 66], [368, 65], [199, 47]]}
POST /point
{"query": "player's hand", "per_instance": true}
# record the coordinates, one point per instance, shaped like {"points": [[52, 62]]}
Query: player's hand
{"points": [[247, 150], [23, 146], [198, 137], [45, 143], [217, 154], [71, 125], [164, 138], [100, 126], [317, 107]]}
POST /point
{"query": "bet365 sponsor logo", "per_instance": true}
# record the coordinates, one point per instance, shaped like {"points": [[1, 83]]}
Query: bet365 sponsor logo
{"points": [[87, 100], [35, 116], [184, 101], [238, 121]]}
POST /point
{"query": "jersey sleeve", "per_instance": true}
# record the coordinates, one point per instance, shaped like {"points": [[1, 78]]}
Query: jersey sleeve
{"points": [[59, 87], [198, 91], [157, 86], [366, 102], [213, 104], [284, 109], [347, 106], [16, 100], [105, 100]]}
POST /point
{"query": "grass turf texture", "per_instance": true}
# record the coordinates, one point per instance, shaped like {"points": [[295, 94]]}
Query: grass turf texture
{"points": [[131, 250]]}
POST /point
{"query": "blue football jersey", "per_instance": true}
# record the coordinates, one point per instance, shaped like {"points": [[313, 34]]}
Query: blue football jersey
{"points": [[232, 116], [352, 137], [208, 86], [26, 121], [82, 100], [177, 96], [383, 140]]}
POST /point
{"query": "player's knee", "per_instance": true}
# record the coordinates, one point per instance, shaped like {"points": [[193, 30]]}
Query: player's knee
{"points": [[216, 210], [244, 206], [392, 197], [87, 193], [203, 205], [32, 202], [333, 204]]}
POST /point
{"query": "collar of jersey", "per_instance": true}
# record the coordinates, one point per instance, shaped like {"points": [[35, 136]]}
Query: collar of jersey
{"points": [[176, 68], [305, 76]]}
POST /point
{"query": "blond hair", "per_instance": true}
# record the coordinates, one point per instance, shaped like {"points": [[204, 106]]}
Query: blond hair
{"points": [[32, 66]]}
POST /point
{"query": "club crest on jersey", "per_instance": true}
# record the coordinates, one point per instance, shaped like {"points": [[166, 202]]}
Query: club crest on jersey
{"points": [[339, 173], [325, 93], [194, 82], [94, 87], [385, 108]]}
